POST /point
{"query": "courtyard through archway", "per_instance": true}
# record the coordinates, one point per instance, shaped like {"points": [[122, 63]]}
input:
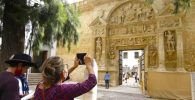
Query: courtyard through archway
{"points": [[132, 64]]}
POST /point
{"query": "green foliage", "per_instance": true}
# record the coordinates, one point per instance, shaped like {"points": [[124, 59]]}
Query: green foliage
{"points": [[70, 33], [53, 21], [181, 5], [56, 22]]}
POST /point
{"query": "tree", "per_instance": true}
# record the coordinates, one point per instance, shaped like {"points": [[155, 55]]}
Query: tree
{"points": [[52, 21], [13, 35], [61, 25]]}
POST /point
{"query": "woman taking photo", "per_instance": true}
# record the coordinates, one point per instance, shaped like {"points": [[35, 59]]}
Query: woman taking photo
{"points": [[54, 72]]}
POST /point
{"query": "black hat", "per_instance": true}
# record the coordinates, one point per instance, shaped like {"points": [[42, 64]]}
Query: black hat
{"points": [[21, 58]]}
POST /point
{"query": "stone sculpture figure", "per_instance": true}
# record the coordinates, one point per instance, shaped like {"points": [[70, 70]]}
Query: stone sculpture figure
{"points": [[170, 41], [152, 55], [98, 48]]}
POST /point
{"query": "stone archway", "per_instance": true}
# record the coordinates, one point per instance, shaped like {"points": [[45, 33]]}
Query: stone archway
{"points": [[135, 25], [167, 40], [131, 25]]}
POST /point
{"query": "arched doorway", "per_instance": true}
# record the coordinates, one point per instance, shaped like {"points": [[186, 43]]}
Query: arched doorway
{"points": [[131, 25], [132, 66]]}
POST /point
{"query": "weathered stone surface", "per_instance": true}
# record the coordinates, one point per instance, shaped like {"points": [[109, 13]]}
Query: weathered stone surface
{"points": [[108, 26]]}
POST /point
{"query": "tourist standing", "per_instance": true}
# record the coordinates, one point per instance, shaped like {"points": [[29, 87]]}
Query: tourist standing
{"points": [[107, 80], [9, 85]]}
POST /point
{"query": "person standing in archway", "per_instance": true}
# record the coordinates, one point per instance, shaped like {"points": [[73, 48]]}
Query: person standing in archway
{"points": [[107, 79]]}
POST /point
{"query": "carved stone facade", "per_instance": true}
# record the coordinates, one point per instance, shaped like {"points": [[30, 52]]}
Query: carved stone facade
{"points": [[170, 48], [109, 27], [131, 12], [189, 51], [98, 48], [152, 56]]}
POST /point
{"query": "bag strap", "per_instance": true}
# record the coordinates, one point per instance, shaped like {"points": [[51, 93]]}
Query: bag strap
{"points": [[42, 90], [43, 93]]}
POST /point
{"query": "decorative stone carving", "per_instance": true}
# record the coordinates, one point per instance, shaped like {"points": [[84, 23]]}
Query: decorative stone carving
{"points": [[131, 12], [192, 56], [112, 53], [133, 41], [170, 41], [169, 22], [170, 49], [99, 31], [144, 40], [98, 48], [190, 59], [134, 28], [112, 48], [153, 55], [167, 10], [98, 27]]}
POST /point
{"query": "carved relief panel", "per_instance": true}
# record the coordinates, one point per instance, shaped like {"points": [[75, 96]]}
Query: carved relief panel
{"points": [[131, 41], [98, 27], [133, 28], [170, 22], [152, 56], [170, 48], [131, 12], [132, 18], [189, 51], [125, 41], [190, 59], [111, 54], [98, 48], [99, 31]]}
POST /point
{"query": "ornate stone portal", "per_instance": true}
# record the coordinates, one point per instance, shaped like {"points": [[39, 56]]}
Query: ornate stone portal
{"points": [[167, 40], [134, 25], [111, 26]]}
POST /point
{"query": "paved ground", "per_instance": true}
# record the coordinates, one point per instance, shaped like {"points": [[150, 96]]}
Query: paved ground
{"points": [[127, 91], [102, 95]]}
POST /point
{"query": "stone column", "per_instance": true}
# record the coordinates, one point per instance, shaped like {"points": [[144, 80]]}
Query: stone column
{"points": [[180, 54], [189, 25], [161, 52]]}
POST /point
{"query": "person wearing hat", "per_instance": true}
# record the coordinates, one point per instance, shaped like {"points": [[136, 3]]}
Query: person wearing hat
{"points": [[9, 85]]}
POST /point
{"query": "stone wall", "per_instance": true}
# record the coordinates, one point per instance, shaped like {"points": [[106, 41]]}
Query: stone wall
{"points": [[108, 27], [189, 38]]}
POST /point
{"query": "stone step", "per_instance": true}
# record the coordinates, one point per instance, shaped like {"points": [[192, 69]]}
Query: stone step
{"points": [[34, 78]]}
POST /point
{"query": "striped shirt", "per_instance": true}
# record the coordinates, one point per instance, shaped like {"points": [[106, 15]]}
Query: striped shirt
{"points": [[66, 91]]}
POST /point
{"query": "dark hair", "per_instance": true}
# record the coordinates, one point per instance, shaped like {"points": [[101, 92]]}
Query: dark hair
{"points": [[14, 64]]}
